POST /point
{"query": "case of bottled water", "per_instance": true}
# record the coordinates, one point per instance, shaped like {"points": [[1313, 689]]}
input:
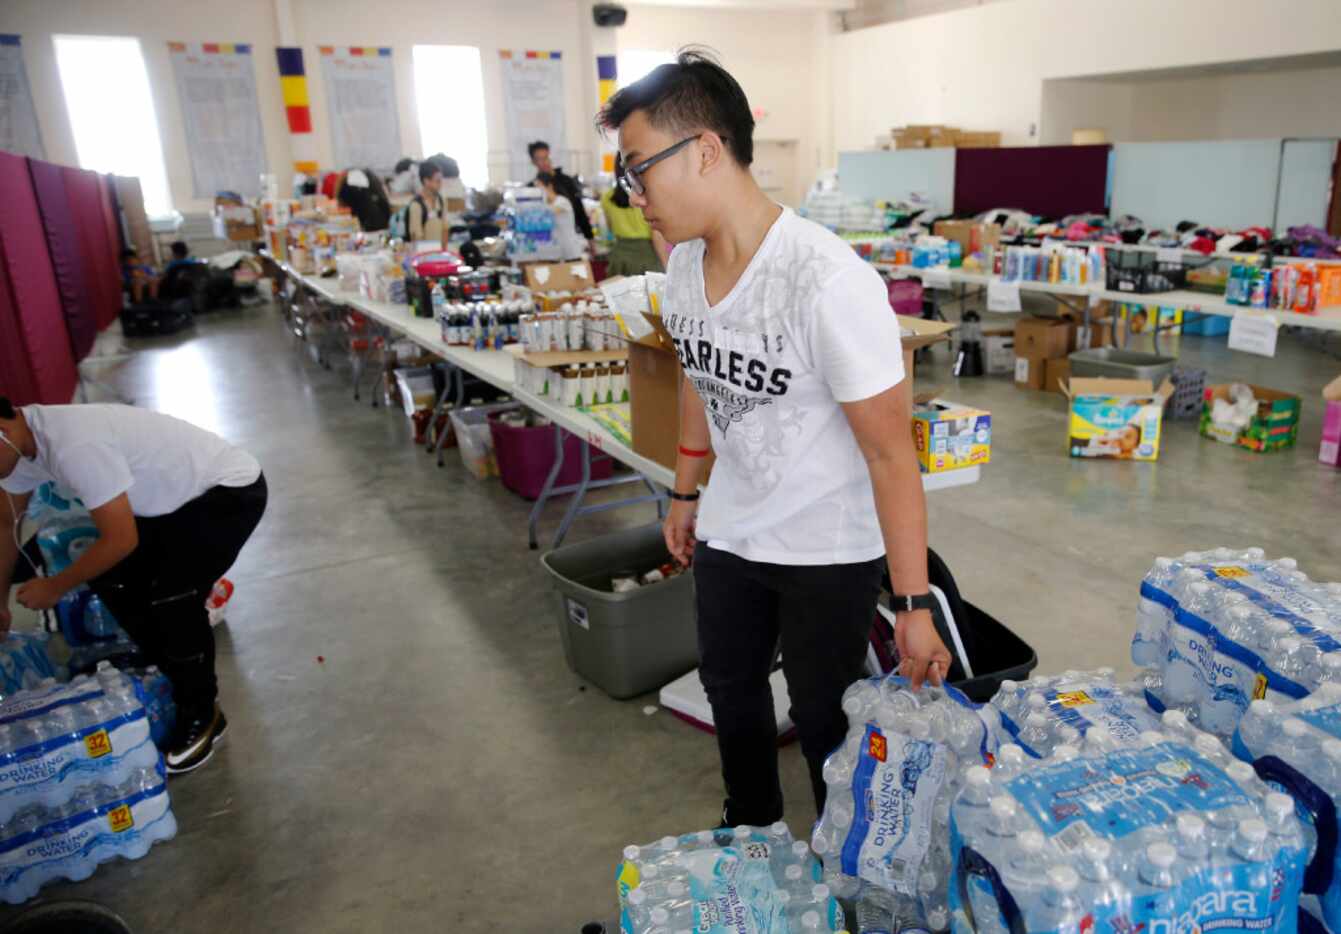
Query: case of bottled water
{"points": [[96, 823], [726, 881], [890, 785], [1072, 708], [1296, 746], [1170, 835], [25, 661], [1216, 629], [58, 737]]}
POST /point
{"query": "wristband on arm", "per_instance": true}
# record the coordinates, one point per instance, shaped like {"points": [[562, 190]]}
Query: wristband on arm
{"points": [[691, 452]]}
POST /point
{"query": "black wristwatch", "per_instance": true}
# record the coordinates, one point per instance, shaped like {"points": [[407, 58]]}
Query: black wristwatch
{"points": [[684, 497], [905, 603]]}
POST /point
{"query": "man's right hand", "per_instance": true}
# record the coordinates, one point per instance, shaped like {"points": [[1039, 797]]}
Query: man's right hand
{"points": [[679, 531]]}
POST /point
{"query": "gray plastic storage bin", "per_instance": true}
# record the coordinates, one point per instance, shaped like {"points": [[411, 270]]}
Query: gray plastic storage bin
{"points": [[1112, 363], [625, 643]]}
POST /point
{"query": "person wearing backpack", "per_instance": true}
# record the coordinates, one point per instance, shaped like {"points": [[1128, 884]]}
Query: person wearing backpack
{"points": [[425, 215]]}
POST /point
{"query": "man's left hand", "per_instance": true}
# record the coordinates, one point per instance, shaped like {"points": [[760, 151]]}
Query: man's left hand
{"points": [[923, 656], [41, 593]]}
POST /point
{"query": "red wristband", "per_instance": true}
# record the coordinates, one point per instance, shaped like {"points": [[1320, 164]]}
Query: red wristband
{"points": [[690, 452]]}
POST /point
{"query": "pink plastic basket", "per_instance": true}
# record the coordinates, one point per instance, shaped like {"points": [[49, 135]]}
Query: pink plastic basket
{"points": [[526, 455], [905, 296]]}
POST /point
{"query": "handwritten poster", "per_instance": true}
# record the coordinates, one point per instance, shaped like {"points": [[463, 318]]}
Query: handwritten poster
{"points": [[18, 119], [360, 88], [216, 87], [533, 104]]}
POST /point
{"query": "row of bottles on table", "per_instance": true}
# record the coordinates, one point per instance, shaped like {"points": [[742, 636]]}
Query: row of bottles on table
{"points": [[481, 325], [699, 881], [901, 765], [1169, 832], [1216, 629]]}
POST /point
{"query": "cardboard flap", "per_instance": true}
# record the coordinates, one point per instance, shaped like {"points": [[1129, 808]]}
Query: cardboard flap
{"points": [[1097, 386], [567, 276], [924, 332], [659, 337]]}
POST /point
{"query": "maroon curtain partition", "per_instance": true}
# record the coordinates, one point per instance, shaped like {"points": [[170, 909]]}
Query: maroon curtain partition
{"points": [[32, 321], [67, 255], [100, 259], [1053, 181]]}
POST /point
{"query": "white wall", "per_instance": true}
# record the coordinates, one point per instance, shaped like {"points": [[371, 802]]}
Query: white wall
{"points": [[984, 67], [1242, 105], [779, 58], [154, 23]]}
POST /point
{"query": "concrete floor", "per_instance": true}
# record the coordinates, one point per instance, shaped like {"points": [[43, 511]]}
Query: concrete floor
{"points": [[409, 751]]}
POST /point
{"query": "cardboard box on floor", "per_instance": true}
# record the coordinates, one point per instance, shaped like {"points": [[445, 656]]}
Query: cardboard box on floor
{"points": [[1116, 419], [1044, 337], [1030, 372], [655, 378], [1330, 450], [1056, 374], [1275, 424], [949, 436]]}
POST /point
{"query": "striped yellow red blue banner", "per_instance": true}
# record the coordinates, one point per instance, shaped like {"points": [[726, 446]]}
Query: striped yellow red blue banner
{"points": [[529, 53]]}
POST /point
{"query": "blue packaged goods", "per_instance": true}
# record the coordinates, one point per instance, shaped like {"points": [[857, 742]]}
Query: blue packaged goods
{"points": [[1296, 746], [95, 824], [25, 661], [1216, 629], [727, 881], [1171, 836], [890, 785], [1043, 713], [61, 736]]}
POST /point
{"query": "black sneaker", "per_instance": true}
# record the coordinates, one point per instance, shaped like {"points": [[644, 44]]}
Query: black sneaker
{"points": [[195, 741]]}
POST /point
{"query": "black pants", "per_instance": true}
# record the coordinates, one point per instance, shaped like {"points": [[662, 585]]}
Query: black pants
{"points": [[821, 618], [158, 592]]}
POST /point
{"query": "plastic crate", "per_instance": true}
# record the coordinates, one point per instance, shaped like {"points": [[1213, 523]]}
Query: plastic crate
{"points": [[1205, 325], [625, 643], [1189, 388], [1114, 363], [1141, 273], [474, 439], [525, 456]]}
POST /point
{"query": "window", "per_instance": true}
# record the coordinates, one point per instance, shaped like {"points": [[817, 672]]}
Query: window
{"points": [[636, 63], [112, 112], [449, 92]]}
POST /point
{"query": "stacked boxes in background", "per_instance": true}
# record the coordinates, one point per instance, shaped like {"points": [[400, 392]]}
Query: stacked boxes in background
{"points": [[1038, 340]]}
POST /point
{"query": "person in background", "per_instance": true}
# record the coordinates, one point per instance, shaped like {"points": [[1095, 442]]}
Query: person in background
{"points": [[181, 256], [361, 191], [631, 254], [565, 225], [793, 377], [138, 279], [453, 191], [426, 211], [173, 503], [568, 187], [404, 180]]}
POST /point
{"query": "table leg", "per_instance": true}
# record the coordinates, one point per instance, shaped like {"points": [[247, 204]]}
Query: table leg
{"points": [[547, 489], [578, 495], [459, 387]]}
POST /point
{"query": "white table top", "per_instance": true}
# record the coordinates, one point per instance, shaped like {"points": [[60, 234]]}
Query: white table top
{"points": [[1325, 319], [496, 367]]}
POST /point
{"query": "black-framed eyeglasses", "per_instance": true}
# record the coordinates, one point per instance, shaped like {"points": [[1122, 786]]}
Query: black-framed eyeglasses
{"points": [[630, 178]]}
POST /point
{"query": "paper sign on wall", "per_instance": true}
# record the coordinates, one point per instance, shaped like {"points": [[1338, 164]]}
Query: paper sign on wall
{"points": [[360, 88], [533, 105], [216, 89], [1003, 296], [1254, 332], [18, 119]]}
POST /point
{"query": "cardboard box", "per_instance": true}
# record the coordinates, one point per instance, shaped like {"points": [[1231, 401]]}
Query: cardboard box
{"points": [[1030, 372], [949, 436], [1116, 419], [978, 139], [1274, 426], [1056, 374], [962, 232], [1329, 452], [1044, 337], [568, 276], [998, 351]]}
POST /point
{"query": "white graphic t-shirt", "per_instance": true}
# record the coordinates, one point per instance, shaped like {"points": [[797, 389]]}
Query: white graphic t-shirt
{"points": [[807, 326]]}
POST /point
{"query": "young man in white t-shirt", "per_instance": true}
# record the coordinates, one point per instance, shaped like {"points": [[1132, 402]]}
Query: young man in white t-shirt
{"points": [[793, 377], [173, 504]]}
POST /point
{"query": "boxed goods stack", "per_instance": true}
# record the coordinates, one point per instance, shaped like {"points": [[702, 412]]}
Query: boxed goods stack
{"points": [[1217, 629], [80, 782], [890, 785], [1043, 714], [732, 879]]}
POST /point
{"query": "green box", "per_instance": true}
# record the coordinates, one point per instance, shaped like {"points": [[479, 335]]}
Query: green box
{"points": [[1274, 427]]}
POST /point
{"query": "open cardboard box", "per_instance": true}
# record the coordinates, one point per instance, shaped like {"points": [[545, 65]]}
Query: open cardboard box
{"points": [[1117, 419], [567, 276], [655, 378]]}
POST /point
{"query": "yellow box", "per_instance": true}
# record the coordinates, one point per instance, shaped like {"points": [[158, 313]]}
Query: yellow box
{"points": [[949, 436], [1116, 419]]}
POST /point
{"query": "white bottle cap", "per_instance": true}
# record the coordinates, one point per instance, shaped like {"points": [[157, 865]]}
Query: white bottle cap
{"points": [[1243, 773], [800, 849], [1175, 720], [705, 836], [783, 897], [676, 889], [637, 897], [1063, 879], [1294, 728], [810, 921], [1031, 842], [1163, 563], [1207, 744], [1009, 686], [1011, 754], [1162, 855], [660, 916], [1262, 708], [651, 872], [741, 830], [793, 872], [631, 853], [1190, 826], [1253, 830], [820, 892], [1097, 850], [1065, 752], [1036, 719], [1279, 806], [975, 776], [1036, 701], [1003, 807], [669, 843]]}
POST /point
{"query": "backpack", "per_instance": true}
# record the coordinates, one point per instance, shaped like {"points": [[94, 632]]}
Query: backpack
{"points": [[398, 228]]}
